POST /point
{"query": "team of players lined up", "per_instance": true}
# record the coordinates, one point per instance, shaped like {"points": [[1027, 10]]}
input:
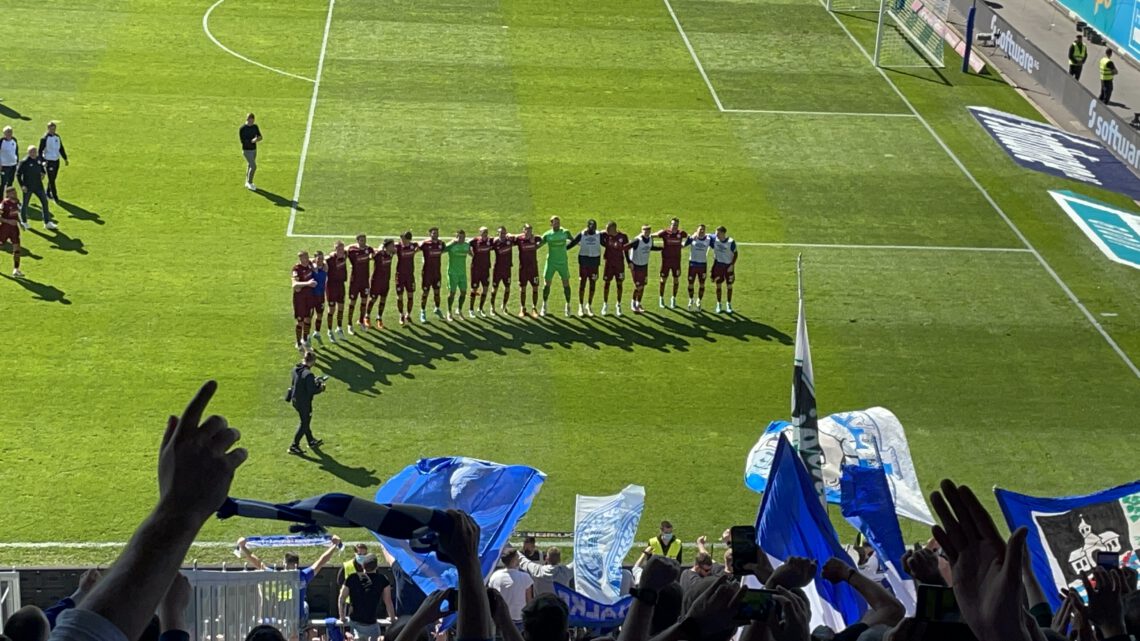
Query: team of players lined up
{"points": [[365, 273]]}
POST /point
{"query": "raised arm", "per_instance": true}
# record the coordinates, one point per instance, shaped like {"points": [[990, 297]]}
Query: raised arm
{"points": [[327, 556], [574, 241], [884, 608], [250, 556]]}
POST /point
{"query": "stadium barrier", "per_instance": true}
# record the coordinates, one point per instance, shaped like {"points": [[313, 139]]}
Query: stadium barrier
{"points": [[1120, 136], [227, 605], [9, 595]]}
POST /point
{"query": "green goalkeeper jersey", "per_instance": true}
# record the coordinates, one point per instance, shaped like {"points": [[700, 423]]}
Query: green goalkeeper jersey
{"points": [[457, 258], [555, 242]]}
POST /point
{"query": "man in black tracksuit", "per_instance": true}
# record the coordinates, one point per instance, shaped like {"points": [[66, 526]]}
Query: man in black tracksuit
{"points": [[30, 175], [304, 387]]}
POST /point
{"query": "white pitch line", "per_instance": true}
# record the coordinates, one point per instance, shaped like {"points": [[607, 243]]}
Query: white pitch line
{"points": [[206, 28], [693, 53], [849, 114], [309, 124], [993, 203]]}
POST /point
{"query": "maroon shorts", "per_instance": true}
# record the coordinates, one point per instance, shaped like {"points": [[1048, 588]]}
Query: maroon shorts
{"points": [[480, 278], [334, 293], [502, 275], [302, 303], [720, 274], [614, 270], [697, 270], [528, 274], [671, 267], [405, 282], [587, 272], [9, 234], [316, 303], [640, 274], [380, 286], [357, 288], [431, 278]]}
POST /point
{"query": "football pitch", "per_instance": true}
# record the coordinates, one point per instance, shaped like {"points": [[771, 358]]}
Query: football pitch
{"points": [[942, 281]]}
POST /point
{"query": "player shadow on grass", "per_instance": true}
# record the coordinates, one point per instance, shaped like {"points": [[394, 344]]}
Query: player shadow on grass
{"points": [[10, 113], [372, 358], [358, 476], [42, 291], [62, 241], [77, 212], [277, 199]]}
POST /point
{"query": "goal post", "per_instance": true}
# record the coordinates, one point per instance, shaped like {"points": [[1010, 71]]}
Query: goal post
{"points": [[910, 33]]}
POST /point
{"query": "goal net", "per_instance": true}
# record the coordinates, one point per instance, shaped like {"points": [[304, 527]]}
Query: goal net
{"points": [[910, 32]]}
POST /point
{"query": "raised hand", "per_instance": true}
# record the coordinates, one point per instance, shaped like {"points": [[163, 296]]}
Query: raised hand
{"points": [[659, 572], [195, 464], [796, 572], [796, 622], [461, 540], [714, 607], [986, 570], [1106, 601], [922, 564], [836, 570], [88, 580]]}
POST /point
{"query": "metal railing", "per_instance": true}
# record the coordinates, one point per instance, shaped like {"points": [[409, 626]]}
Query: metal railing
{"points": [[227, 605], [9, 595]]}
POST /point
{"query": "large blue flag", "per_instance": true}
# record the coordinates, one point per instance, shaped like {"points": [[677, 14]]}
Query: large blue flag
{"points": [[867, 505], [792, 522], [1067, 533], [495, 495]]}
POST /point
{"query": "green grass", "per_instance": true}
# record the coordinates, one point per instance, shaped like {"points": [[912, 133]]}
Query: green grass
{"points": [[467, 113]]}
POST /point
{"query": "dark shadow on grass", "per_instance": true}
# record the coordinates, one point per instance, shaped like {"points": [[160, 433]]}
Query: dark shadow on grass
{"points": [[941, 80], [61, 241], [41, 291], [10, 113], [24, 252], [277, 199], [75, 211], [358, 476], [865, 16], [375, 358]]}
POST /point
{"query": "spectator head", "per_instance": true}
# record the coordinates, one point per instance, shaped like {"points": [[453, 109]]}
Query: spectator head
{"points": [[369, 563], [264, 633], [509, 557], [668, 608], [553, 556], [27, 624], [292, 560], [1132, 613], [666, 527], [702, 564], [249, 119], [546, 618]]}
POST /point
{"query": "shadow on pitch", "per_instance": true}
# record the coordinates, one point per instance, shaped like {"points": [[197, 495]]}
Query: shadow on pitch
{"points": [[276, 199], [379, 357], [358, 476], [77, 212], [61, 241], [10, 113], [40, 291]]}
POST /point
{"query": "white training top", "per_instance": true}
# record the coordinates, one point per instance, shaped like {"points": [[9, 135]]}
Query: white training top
{"points": [[9, 152], [723, 250], [699, 248], [512, 584], [52, 144], [640, 250], [589, 245]]}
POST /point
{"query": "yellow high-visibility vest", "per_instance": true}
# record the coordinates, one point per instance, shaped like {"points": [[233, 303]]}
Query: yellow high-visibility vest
{"points": [[1105, 72], [672, 550]]}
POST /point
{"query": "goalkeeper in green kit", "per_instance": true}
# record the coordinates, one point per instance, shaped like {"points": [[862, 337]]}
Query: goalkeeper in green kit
{"points": [[556, 261], [457, 252]]}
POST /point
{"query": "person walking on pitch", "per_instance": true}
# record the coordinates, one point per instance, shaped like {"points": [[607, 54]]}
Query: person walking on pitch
{"points": [[250, 135], [305, 385], [30, 175], [1077, 55], [52, 151], [9, 158]]}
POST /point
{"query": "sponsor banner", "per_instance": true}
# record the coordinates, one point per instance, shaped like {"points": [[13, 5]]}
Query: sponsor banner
{"points": [[1115, 232], [588, 613], [1067, 534], [1117, 20], [1045, 148]]}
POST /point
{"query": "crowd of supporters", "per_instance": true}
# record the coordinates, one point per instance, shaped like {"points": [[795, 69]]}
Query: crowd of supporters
{"points": [[143, 595]]}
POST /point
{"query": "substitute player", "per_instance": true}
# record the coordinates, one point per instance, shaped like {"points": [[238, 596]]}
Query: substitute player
{"points": [[337, 265], [359, 258], [639, 250], [589, 243], [457, 252], [481, 249], [432, 249], [317, 304], [557, 262], [528, 245], [724, 269], [615, 243], [10, 227], [302, 282], [504, 255], [405, 275], [672, 239], [699, 245], [381, 282]]}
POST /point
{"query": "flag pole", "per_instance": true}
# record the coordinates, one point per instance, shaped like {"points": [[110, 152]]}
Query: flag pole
{"points": [[804, 414]]}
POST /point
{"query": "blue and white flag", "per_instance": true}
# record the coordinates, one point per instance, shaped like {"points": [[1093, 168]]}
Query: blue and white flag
{"points": [[588, 613], [866, 504], [604, 531], [867, 438], [804, 413], [1065, 534], [496, 496], [792, 522]]}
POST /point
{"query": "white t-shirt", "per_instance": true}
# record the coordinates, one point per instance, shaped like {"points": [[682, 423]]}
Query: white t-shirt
{"points": [[512, 584]]}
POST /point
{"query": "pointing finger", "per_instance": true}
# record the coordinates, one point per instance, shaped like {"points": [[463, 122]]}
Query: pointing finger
{"points": [[194, 409]]}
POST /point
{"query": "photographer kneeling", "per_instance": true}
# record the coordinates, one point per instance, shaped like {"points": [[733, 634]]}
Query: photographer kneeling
{"points": [[304, 387]]}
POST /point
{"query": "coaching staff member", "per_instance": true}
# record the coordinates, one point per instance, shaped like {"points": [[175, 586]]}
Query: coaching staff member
{"points": [[30, 175], [52, 151], [250, 135], [304, 387]]}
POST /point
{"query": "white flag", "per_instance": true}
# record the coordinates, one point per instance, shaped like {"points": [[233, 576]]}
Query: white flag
{"points": [[604, 531]]}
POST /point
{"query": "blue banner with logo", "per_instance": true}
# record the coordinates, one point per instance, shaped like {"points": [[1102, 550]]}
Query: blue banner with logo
{"points": [[588, 613], [1042, 147], [1117, 20], [1115, 232]]}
